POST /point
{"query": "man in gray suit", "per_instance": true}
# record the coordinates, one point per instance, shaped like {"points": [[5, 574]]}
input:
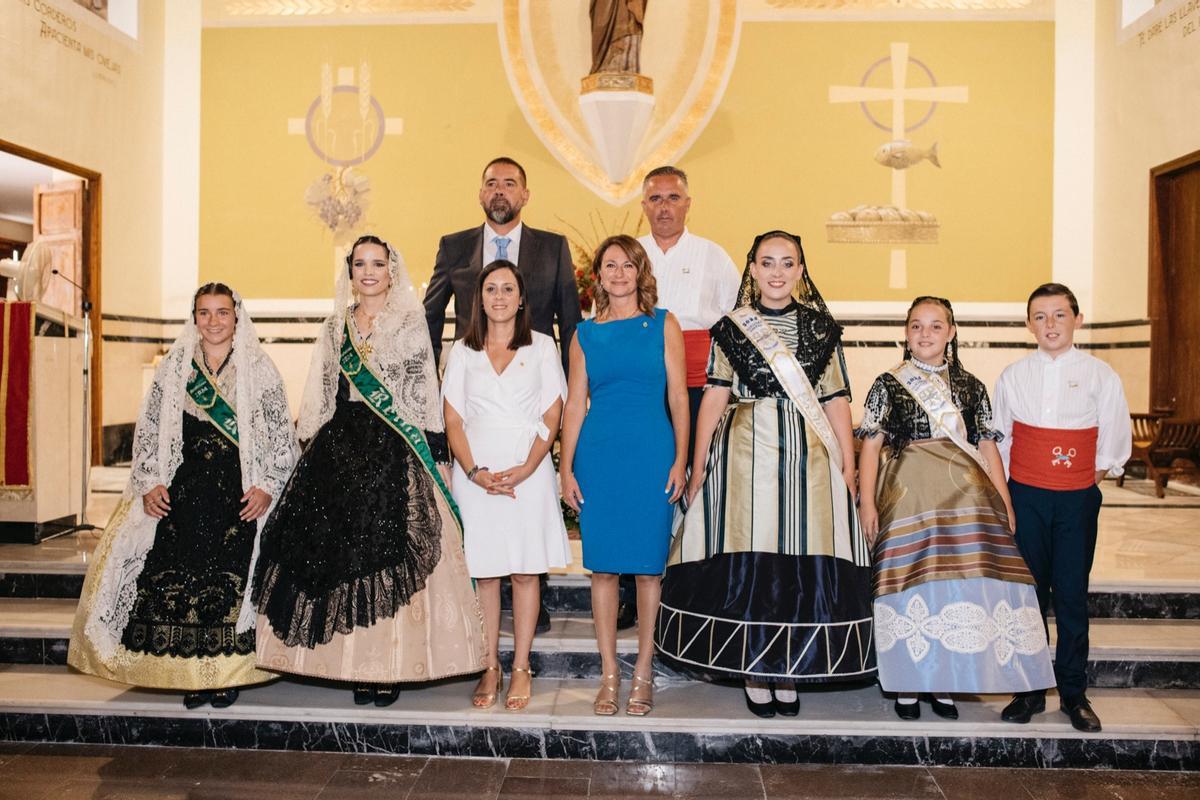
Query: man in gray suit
{"points": [[543, 258]]}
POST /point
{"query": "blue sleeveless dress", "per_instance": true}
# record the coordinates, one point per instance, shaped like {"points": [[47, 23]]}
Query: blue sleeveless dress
{"points": [[626, 447]]}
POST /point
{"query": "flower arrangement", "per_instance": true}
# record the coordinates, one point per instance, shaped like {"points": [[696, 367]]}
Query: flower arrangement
{"points": [[583, 247]]}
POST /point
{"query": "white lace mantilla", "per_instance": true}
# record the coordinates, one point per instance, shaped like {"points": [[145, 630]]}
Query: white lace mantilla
{"points": [[960, 627], [267, 452]]}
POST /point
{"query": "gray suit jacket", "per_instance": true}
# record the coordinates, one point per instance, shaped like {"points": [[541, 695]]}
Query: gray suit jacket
{"points": [[545, 263]]}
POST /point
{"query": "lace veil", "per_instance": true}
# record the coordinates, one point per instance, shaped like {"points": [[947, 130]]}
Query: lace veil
{"points": [[267, 451], [402, 355]]}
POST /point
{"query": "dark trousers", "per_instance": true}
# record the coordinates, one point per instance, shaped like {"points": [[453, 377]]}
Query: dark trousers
{"points": [[1056, 534]]}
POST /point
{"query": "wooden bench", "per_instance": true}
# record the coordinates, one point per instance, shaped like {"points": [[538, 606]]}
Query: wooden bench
{"points": [[1167, 446]]}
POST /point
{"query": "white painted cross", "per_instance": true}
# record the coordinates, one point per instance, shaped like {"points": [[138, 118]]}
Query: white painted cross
{"points": [[899, 94]]}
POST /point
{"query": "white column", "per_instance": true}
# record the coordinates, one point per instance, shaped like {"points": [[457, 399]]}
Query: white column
{"points": [[180, 260], [1075, 148]]}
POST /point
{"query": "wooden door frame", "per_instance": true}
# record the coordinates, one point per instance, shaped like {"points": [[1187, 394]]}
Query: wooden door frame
{"points": [[91, 276]]}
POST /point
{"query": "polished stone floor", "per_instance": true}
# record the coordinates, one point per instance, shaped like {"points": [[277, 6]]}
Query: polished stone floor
{"points": [[71, 772]]}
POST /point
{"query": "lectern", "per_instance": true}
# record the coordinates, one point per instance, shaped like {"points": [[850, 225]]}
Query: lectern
{"points": [[41, 425]]}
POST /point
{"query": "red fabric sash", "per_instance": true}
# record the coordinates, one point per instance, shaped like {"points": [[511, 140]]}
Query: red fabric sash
{"points": [[1053, 458], [695, 350], [16, 395]]}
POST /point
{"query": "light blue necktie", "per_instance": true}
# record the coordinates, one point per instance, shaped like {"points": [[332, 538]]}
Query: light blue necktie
{"points": [[502, 243]]}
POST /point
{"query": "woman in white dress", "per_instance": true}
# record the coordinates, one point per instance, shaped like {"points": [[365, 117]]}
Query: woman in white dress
{"points": [[503, 395]]}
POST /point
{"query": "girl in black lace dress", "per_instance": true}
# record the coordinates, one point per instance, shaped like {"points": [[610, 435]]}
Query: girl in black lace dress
{"points": [[166, 601], [362, 576]]}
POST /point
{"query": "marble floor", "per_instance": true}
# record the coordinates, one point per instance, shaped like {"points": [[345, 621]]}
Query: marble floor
{"points": [[1145, 544], [68, 772]]}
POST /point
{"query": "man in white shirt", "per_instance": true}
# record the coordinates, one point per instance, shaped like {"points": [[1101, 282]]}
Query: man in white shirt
{"points": [[1066, 425], [697, 280]]}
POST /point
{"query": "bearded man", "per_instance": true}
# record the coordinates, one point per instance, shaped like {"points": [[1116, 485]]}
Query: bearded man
{"points": [[543, 258]]}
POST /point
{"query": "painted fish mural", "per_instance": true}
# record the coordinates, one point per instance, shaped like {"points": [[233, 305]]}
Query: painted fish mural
{"points": [[902, 154]]}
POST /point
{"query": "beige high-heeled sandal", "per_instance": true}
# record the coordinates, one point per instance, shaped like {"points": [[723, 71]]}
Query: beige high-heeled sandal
{"points": [[640, 706], [518, 702], [605, 704], [488, 699]]}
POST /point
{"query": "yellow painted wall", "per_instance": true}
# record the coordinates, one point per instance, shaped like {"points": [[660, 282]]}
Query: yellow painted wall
{"points": [[776, 153], [60, 102]]}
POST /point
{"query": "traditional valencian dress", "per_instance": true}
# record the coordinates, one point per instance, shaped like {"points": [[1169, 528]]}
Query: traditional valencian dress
{"points": [[362, 576], [166, 603], [955, 606], [768, 576]]}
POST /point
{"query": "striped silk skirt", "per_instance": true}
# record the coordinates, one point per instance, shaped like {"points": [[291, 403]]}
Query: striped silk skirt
{"points": [[768, 575], [956, 609]]}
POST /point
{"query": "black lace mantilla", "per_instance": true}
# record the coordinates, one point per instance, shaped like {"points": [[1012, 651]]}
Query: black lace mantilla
{"points": [[890, 409], [818, 338], [190, 591], [356, 532]]}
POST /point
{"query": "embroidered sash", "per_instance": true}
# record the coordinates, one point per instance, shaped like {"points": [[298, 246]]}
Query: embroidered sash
{"points": [[379, 400], [790, 374], [935, 399], [206, 397]]}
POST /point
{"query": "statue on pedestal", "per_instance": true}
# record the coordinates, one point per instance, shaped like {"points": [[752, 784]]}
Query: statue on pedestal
{"points": [[616, 35]]}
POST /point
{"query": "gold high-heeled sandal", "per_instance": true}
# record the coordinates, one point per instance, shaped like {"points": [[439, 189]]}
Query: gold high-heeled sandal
{"points": [[518, 702], [640, 706], [488, 699], [605, 704]]}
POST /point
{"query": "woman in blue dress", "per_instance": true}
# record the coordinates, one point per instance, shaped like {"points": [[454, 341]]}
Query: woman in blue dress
{"points": [[624, 454]]}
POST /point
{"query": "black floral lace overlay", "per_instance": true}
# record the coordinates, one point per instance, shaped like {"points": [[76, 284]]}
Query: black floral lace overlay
{"points": [[816, 339], [190, 591], [356, 532], [890, 409]]}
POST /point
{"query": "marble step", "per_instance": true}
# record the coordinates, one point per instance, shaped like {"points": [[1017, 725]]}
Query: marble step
{"points": [[23, 576], [1143, 729], [1124, 653]]}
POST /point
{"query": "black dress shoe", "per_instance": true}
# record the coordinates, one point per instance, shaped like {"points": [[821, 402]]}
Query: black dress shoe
{"points": [[543, 623], [364, 693], [224, 698], [196, 699], [384, 697], [1083, 718], [943, 710], [785, 709], [1023, 707], [765, 710], [626, 616], [907, 710]]}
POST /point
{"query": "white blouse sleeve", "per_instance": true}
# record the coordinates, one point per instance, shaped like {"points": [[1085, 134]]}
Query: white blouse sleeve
{"points": [[1002, 415], [454, 381], [553, 381]]}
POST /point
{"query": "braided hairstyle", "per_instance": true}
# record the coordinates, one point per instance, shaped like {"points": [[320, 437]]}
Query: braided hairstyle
{"points": [[951, 354]]}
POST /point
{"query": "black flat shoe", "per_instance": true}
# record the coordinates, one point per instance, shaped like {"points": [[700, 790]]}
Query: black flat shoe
{"points": [[1023, 707], [907, 711], [943, 710], [224, 698], [1083, 718], [765, 710], [626, 616], [363, 694], [196, 699], [785, 709], [385, 697]]}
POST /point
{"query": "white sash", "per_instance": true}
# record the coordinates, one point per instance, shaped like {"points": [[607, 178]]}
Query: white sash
{"points": [[787, 369], [934, 397]]}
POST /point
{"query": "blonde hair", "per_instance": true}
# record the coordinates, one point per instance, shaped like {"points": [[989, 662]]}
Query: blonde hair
{"points": [[647, 287]]}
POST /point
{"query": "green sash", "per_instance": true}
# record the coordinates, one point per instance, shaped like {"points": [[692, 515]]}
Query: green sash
{"points": [[206, 397], [379, 400]]}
